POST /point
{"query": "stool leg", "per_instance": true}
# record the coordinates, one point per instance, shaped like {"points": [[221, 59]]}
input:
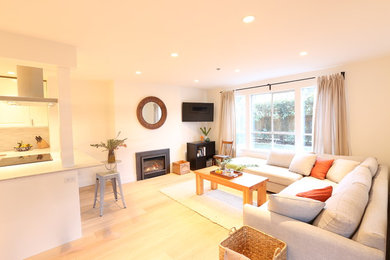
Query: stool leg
{"points": [[120, 190], [102, 187], [113, 181], [96, 189]]}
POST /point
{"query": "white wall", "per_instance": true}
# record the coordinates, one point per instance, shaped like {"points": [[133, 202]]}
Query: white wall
{"points": [[174, 134], [93, 121], [368, 95]]}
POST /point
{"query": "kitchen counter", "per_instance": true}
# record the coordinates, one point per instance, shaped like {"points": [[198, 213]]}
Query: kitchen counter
{"points": [[81, 160]]}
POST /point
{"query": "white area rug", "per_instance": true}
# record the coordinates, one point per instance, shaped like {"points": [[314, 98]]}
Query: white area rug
{"points": [[222, 206]]}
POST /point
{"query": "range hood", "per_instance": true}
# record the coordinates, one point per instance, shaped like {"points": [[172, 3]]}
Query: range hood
{"points": [[30, 88]]}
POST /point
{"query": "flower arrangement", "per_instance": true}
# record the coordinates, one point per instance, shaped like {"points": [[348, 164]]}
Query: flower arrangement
{"points": [[110, 146], [205, 132]]}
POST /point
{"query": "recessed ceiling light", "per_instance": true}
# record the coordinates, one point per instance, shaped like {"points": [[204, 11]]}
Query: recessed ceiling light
{"points": [[11, 72], [237, 70], [248, 19], [174, 54], [138, 72], [196, 81], [303, 53]]}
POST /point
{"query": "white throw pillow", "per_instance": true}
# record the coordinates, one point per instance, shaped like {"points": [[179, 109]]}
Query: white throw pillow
{"points": [[344, 210], [372, 164], [303, 163], [280, 158], [340, 168], [299, 208]]}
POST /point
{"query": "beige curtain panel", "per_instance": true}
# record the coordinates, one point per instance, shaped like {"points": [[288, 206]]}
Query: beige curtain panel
{"points": [[227, 130], [330, 121]]}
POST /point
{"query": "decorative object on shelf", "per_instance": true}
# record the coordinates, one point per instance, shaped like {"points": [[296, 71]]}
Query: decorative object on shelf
{"points": [[23, 147], [110, 146], [222, 163], [41, 143], [205, 133]]}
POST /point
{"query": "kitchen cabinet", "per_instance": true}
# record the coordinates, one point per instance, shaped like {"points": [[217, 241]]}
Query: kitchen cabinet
{"points": [[23, 116]]}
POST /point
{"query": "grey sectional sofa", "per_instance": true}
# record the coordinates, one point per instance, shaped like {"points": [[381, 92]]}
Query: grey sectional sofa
{"points": [[353, 223]]}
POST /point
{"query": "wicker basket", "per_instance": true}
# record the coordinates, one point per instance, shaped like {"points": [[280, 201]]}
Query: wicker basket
{"points": [[253, 244]]}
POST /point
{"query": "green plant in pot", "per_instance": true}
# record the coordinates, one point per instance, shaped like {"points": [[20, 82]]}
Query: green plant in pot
{"points": [[205, 133], [111, 145], [222, 163]]}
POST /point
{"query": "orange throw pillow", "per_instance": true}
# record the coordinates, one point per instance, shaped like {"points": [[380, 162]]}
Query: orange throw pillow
{"points": [[317, 194], [321, 168]]}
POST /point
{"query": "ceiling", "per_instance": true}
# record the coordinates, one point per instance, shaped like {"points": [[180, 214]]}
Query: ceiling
{"points": [[116, 38]]}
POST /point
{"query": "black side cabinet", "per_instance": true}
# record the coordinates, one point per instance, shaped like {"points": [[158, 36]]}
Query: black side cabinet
{"points": [[200, 154]]}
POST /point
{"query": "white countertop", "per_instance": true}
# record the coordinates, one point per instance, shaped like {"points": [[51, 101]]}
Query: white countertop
{"points": [[81, 160]]}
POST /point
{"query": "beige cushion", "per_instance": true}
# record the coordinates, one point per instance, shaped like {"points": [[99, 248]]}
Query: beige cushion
{"points": [[360, 174], [340, 168], [299, 208], [373, 228], [344, 210], [275, 174], [280, 158], [302, 163], [372, 164]]}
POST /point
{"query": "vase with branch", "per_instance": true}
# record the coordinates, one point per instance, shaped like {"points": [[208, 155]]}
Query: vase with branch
{"points": [[205, 133], [111, 145]]}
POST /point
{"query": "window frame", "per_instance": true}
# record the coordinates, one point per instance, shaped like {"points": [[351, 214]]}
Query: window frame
{"points": [[298, 124]]}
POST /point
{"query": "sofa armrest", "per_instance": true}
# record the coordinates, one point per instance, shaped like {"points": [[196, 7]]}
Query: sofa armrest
{"points": [[305, 241]]}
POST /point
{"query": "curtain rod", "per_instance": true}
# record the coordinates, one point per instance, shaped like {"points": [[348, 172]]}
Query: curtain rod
{"points": [[279, 83]]}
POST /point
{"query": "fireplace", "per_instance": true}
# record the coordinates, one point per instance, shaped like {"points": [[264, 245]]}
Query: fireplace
{"points": [[151, 164]]}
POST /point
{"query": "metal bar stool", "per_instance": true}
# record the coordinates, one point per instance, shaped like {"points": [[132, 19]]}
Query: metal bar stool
{"points": [[101, 179]]}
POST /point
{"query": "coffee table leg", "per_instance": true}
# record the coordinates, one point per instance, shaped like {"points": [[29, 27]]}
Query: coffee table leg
{"points": [[214, 185], [199, 185], [261, 195], [248, 197]]}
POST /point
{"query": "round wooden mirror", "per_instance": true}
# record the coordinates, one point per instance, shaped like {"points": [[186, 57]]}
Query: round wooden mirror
{"points": [[151, 112]]}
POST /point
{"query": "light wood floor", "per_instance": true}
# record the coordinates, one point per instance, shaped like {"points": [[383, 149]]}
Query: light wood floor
{"points": [[152, 226]]}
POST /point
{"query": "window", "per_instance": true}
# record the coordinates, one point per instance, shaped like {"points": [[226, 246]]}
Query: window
{"points": [[307, 117], [273, 120], [281, 119]]}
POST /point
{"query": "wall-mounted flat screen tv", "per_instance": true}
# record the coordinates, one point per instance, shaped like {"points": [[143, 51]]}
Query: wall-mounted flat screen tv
{"points": [[197, 112]]}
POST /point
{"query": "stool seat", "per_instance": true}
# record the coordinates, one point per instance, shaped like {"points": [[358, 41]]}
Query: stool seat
{"points": [[101, 178]]}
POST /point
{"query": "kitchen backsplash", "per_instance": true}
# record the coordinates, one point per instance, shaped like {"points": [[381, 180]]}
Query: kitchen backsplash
{"points": [[10, 136]]}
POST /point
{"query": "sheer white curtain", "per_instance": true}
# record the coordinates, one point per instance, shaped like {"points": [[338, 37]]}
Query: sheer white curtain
{"points": [[227, 131], [330, 121]]}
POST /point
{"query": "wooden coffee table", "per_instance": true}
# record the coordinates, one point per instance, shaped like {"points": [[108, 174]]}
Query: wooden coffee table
{"points": [[247, 183]]}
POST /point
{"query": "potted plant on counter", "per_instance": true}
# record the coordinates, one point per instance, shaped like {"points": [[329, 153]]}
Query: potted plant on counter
{"points": [[111, 145]]}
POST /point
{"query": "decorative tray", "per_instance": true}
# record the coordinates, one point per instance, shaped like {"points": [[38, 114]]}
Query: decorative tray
{"points": [[227, 175]]}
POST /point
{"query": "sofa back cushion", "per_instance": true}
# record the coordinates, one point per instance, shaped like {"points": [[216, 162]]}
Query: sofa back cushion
{"points": [[302, 209], [373, 228], [344, 210], [360, 174], [280, 158], [302, 163], [372, 164], [340, 168]]}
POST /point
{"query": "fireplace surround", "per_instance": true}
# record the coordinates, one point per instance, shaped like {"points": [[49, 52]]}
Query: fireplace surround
{"points": [[151, 164]]}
